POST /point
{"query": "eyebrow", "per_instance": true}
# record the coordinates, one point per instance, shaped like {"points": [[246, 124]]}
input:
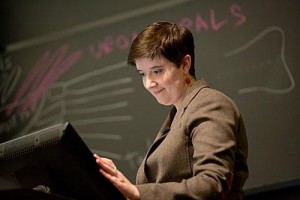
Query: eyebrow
{"points": [[154, 67]]}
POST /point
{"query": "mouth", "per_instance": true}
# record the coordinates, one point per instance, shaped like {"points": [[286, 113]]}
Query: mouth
{"points": [[157, 92]]}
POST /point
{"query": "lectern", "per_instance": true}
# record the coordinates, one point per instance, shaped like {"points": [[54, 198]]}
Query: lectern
{"points": [[52, 163], [27, 194]]}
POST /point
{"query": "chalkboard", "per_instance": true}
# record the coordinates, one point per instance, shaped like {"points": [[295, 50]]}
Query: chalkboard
{"points": [[76, 71]]}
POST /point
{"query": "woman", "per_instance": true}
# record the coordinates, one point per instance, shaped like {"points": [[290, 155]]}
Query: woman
{"points": [[201, 150]]}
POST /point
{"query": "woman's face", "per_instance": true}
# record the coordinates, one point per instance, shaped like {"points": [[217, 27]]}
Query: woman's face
{"points": [[162, 79]]}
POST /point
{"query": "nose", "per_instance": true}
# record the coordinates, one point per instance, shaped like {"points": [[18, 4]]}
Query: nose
{"points": [[149, 83]]}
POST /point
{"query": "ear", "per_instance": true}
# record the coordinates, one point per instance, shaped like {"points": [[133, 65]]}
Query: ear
{"points": [[186, 62]]}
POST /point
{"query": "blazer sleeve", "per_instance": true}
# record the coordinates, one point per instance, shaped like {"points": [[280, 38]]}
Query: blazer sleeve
{"points": [[212, 123]]}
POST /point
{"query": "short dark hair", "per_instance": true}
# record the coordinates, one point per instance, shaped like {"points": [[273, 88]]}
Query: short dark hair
{"points": [[163, 39]]}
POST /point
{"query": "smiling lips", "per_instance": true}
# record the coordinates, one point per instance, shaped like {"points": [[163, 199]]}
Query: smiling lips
{"points": [[157, 92]]}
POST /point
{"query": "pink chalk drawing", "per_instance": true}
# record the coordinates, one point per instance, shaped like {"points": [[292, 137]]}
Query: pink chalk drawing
{"points": [[236, 11], [213, 21], [111, 44], [216, 25], [48, 69]]}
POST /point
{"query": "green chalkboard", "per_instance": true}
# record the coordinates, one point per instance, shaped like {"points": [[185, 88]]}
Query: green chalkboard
{"points": [[67, 62]]}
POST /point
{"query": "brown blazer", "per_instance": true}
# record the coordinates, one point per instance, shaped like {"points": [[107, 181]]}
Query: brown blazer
{"points": [[200, 151]]}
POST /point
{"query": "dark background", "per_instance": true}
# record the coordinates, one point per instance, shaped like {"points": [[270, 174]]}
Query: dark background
{"points": [[66, 61]]}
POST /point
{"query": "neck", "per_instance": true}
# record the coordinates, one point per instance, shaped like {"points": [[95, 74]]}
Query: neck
{"points": [[186, 92]]}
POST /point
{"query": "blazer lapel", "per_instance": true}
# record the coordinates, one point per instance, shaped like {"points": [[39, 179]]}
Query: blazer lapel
{"points": [[159, 138], [190, 95]]}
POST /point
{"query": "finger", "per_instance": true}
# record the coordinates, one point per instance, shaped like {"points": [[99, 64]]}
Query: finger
{"points": [[107, 168], [115, 180], [106, 160], [107, 175], [118, 182], [122, 184], [96, 156]]}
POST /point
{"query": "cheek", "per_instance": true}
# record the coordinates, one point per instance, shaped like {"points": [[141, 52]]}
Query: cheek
{"points": [[144, 83], [177, 86], [171, 78], [175, 82]]}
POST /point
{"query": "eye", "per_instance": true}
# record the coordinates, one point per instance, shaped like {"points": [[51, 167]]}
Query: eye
{"points": [[141, 74], [157, 71]]}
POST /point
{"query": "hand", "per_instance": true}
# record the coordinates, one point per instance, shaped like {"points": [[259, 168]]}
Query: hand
{"points": [[109, 170]]}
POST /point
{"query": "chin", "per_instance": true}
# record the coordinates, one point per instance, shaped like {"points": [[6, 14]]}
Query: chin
{"points": [[164, 103]]}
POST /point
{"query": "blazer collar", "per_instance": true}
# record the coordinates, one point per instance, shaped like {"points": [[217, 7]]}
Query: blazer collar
{"points": [[190, 94]]}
